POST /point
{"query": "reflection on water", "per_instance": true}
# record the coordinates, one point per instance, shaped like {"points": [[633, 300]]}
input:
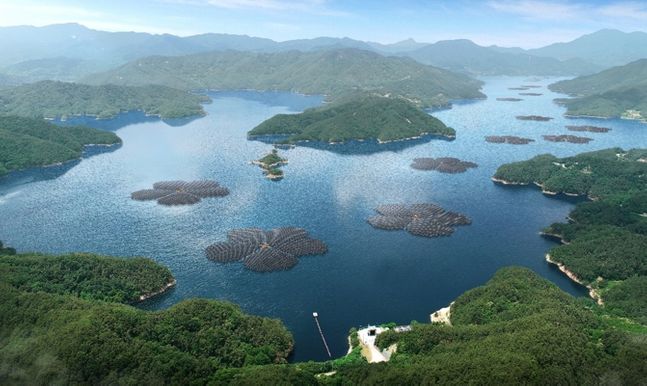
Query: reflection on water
{"points": [[368, 275]]}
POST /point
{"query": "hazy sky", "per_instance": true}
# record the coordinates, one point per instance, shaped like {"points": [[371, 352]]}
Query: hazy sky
{"points": [[525, 23]]}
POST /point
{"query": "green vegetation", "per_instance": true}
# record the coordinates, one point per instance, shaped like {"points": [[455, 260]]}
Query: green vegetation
{"points": [[60, 322], [465, 56], [272, 159], [85, 276], [271, 164], [334, 72], [616, 92], [28, 142], [607, 237], [49, 335], [627, 298], [517, 328], [384, 119], [6, 250], [49, 99]]}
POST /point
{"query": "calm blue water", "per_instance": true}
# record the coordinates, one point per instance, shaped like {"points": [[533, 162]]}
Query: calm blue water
{"points": [[368, 276]]}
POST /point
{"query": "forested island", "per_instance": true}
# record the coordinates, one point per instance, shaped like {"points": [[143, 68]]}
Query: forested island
{"points": [[271, 164], [367, 117], [29, 142], [619, 92], [606, 238], [332, 72], [50, 99]]}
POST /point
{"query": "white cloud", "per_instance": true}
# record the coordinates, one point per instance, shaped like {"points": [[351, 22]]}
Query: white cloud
{"points": [[315, 7], [629, 10], [537, 9]]}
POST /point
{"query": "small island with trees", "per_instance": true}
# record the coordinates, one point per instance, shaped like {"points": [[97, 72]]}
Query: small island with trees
{"points": [[383, 119], [271, 164], [443, 164]]}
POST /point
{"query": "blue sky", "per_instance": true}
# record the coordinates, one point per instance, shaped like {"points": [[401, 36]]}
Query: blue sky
{"points": [[524, 23]]}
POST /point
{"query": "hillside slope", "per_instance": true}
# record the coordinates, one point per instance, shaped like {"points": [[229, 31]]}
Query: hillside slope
{"points": [[330, 72], [384, 119], [466, 56], [616, 92], [49, 99], [28, 142]]}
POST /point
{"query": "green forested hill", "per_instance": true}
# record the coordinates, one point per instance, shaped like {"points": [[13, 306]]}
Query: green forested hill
{"points": [[85, 276], [616, 92], [54, 332], [516, 328], [606, 238], [384, 119], [27, 142], [50, 99], [331, 72]]}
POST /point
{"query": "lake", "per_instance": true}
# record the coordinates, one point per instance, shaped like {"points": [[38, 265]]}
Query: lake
{"points": [[368, 275]]}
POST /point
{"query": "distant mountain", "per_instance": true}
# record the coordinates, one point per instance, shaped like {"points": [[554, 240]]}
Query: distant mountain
{"points": [[616, 92], [41, 52], [59, 68], [468, 57], [605, 47], [398, 47], [330, 72]]}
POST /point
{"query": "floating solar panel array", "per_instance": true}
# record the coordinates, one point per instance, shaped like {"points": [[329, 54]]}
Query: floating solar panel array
{"points": [[511, 139], [567, 138], [266, 251], [537, 118], [427, 220], [443, 164], [591, 129], [180, 192]]}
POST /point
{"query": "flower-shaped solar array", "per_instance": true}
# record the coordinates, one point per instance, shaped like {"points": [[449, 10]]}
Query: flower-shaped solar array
{"points": [[180, 192], [427, 220], [266, 251]]}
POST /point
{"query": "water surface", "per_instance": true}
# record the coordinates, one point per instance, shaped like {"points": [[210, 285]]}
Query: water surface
{"points": [[368, 275]]}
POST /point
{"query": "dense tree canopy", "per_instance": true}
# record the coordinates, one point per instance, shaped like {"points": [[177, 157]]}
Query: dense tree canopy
{"points": [[27, 142], [607, 238], [55, 327], [384, 119], [50, 99]]}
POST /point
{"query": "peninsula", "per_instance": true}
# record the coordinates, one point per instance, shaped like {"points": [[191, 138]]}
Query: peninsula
{"points": [[605, 239], [29, 142], [618, 92]]}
